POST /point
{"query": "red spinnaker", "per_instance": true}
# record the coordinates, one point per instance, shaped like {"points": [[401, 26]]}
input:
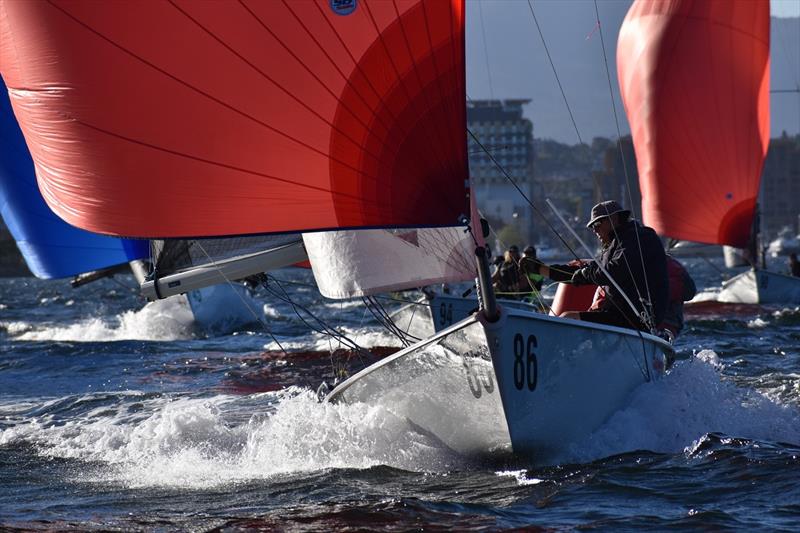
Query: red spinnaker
{"points": [[694, 77], [185, 118]]}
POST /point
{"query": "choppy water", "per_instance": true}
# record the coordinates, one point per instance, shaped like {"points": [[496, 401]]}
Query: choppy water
{"points": [[114, 416]]}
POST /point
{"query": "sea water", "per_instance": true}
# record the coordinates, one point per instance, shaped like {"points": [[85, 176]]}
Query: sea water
{"points": [[119, 416]]}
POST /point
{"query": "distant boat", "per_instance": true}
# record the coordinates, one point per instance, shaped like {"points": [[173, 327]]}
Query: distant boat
{"points": [[694, 78], [784, 244]]}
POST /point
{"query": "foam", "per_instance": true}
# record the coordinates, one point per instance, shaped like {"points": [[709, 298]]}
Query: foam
{"points": [[140, 440], [196, 443], [162, 320], [693, 400]]}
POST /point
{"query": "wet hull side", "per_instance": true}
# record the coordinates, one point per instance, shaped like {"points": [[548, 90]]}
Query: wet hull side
{"points": [[561, 379]]}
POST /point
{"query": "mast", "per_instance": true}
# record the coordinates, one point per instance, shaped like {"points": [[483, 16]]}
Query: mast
{"points": [[485, 289]]}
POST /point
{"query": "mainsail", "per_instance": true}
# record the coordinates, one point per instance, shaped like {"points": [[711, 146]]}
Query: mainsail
{"points": [[51, 247], [241, 118], [694, 77]]}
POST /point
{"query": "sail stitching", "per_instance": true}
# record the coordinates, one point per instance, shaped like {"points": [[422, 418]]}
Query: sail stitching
{"points": [[446, 161], [333, 63], [278, 85], [309, 71], [433, 59], [214, 99], [357, 66], [401, 82]]}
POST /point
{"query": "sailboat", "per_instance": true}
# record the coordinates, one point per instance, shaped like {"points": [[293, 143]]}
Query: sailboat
{"points": [[334, 119], [694, 78]]}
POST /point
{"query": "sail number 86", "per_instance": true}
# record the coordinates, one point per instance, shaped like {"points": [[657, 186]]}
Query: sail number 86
{"points": [[525, 364]]}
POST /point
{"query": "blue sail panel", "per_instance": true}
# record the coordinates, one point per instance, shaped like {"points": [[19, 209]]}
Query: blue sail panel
{"points": [[51, 247]]}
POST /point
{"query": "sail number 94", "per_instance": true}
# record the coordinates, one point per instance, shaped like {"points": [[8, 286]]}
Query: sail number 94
{"points": [[525, 365]]}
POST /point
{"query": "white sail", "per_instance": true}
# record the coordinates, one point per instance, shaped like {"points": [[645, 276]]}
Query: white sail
{"points": [[348, 264]]}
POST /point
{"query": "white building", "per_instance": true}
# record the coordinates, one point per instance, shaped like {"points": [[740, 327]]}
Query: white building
{"points": [[507, 148]]}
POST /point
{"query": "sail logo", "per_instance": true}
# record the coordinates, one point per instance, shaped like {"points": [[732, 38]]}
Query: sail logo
{"points": [[343, 7]]}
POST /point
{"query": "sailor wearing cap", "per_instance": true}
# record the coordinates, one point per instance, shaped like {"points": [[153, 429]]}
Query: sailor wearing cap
{"points": [[633, 256]]}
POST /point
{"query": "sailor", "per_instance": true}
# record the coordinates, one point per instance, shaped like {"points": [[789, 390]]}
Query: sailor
{"points": [[531, 280], [681, 289], [506, 278], [634, 257]]}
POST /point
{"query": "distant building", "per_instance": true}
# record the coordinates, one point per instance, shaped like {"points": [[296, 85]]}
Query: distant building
{"points": [[779, 201], [508, 138]]}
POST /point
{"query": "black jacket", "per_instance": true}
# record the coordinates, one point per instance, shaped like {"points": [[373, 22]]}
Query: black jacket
{"points": [[622, 260]]}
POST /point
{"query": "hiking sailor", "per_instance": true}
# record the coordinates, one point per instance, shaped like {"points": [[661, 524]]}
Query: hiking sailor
{"points": [[633, 256], [530, 280], [507, 277]]}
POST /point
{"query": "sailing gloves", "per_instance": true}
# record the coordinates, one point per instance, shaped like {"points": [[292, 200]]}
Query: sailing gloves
{"points": [[579, 276]]}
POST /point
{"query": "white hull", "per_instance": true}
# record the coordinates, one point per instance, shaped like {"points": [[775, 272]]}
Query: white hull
{"points": [[761, 287], [224, 307], [560, 379], [444, 386], [545, 382]]}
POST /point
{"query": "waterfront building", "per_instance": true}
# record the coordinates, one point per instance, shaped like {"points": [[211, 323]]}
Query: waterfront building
{"points": [[780, 187], [507, 135]]}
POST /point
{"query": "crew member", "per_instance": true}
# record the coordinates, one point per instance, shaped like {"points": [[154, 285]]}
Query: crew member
{"points": [[633, 256]]}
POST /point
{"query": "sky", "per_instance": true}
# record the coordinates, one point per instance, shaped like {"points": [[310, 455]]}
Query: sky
{"points": [[785, 8], [506, 59]]}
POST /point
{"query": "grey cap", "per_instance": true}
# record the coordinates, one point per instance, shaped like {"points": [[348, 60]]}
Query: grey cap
{"points": [[606, 209]]}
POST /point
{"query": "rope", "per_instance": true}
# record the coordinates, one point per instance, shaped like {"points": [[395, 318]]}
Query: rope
{"points": [[383, 318], [624, 168], [247, 306], [646, 304], [524, 196]]}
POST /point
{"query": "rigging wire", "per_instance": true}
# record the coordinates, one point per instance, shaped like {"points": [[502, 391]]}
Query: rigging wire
{"points": [[511, 180], [553, 66], [646, 304], [246, 305], [624, 168], [318, 324], [625, 296], [385, 320], [312, 286], [485, 50]]}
